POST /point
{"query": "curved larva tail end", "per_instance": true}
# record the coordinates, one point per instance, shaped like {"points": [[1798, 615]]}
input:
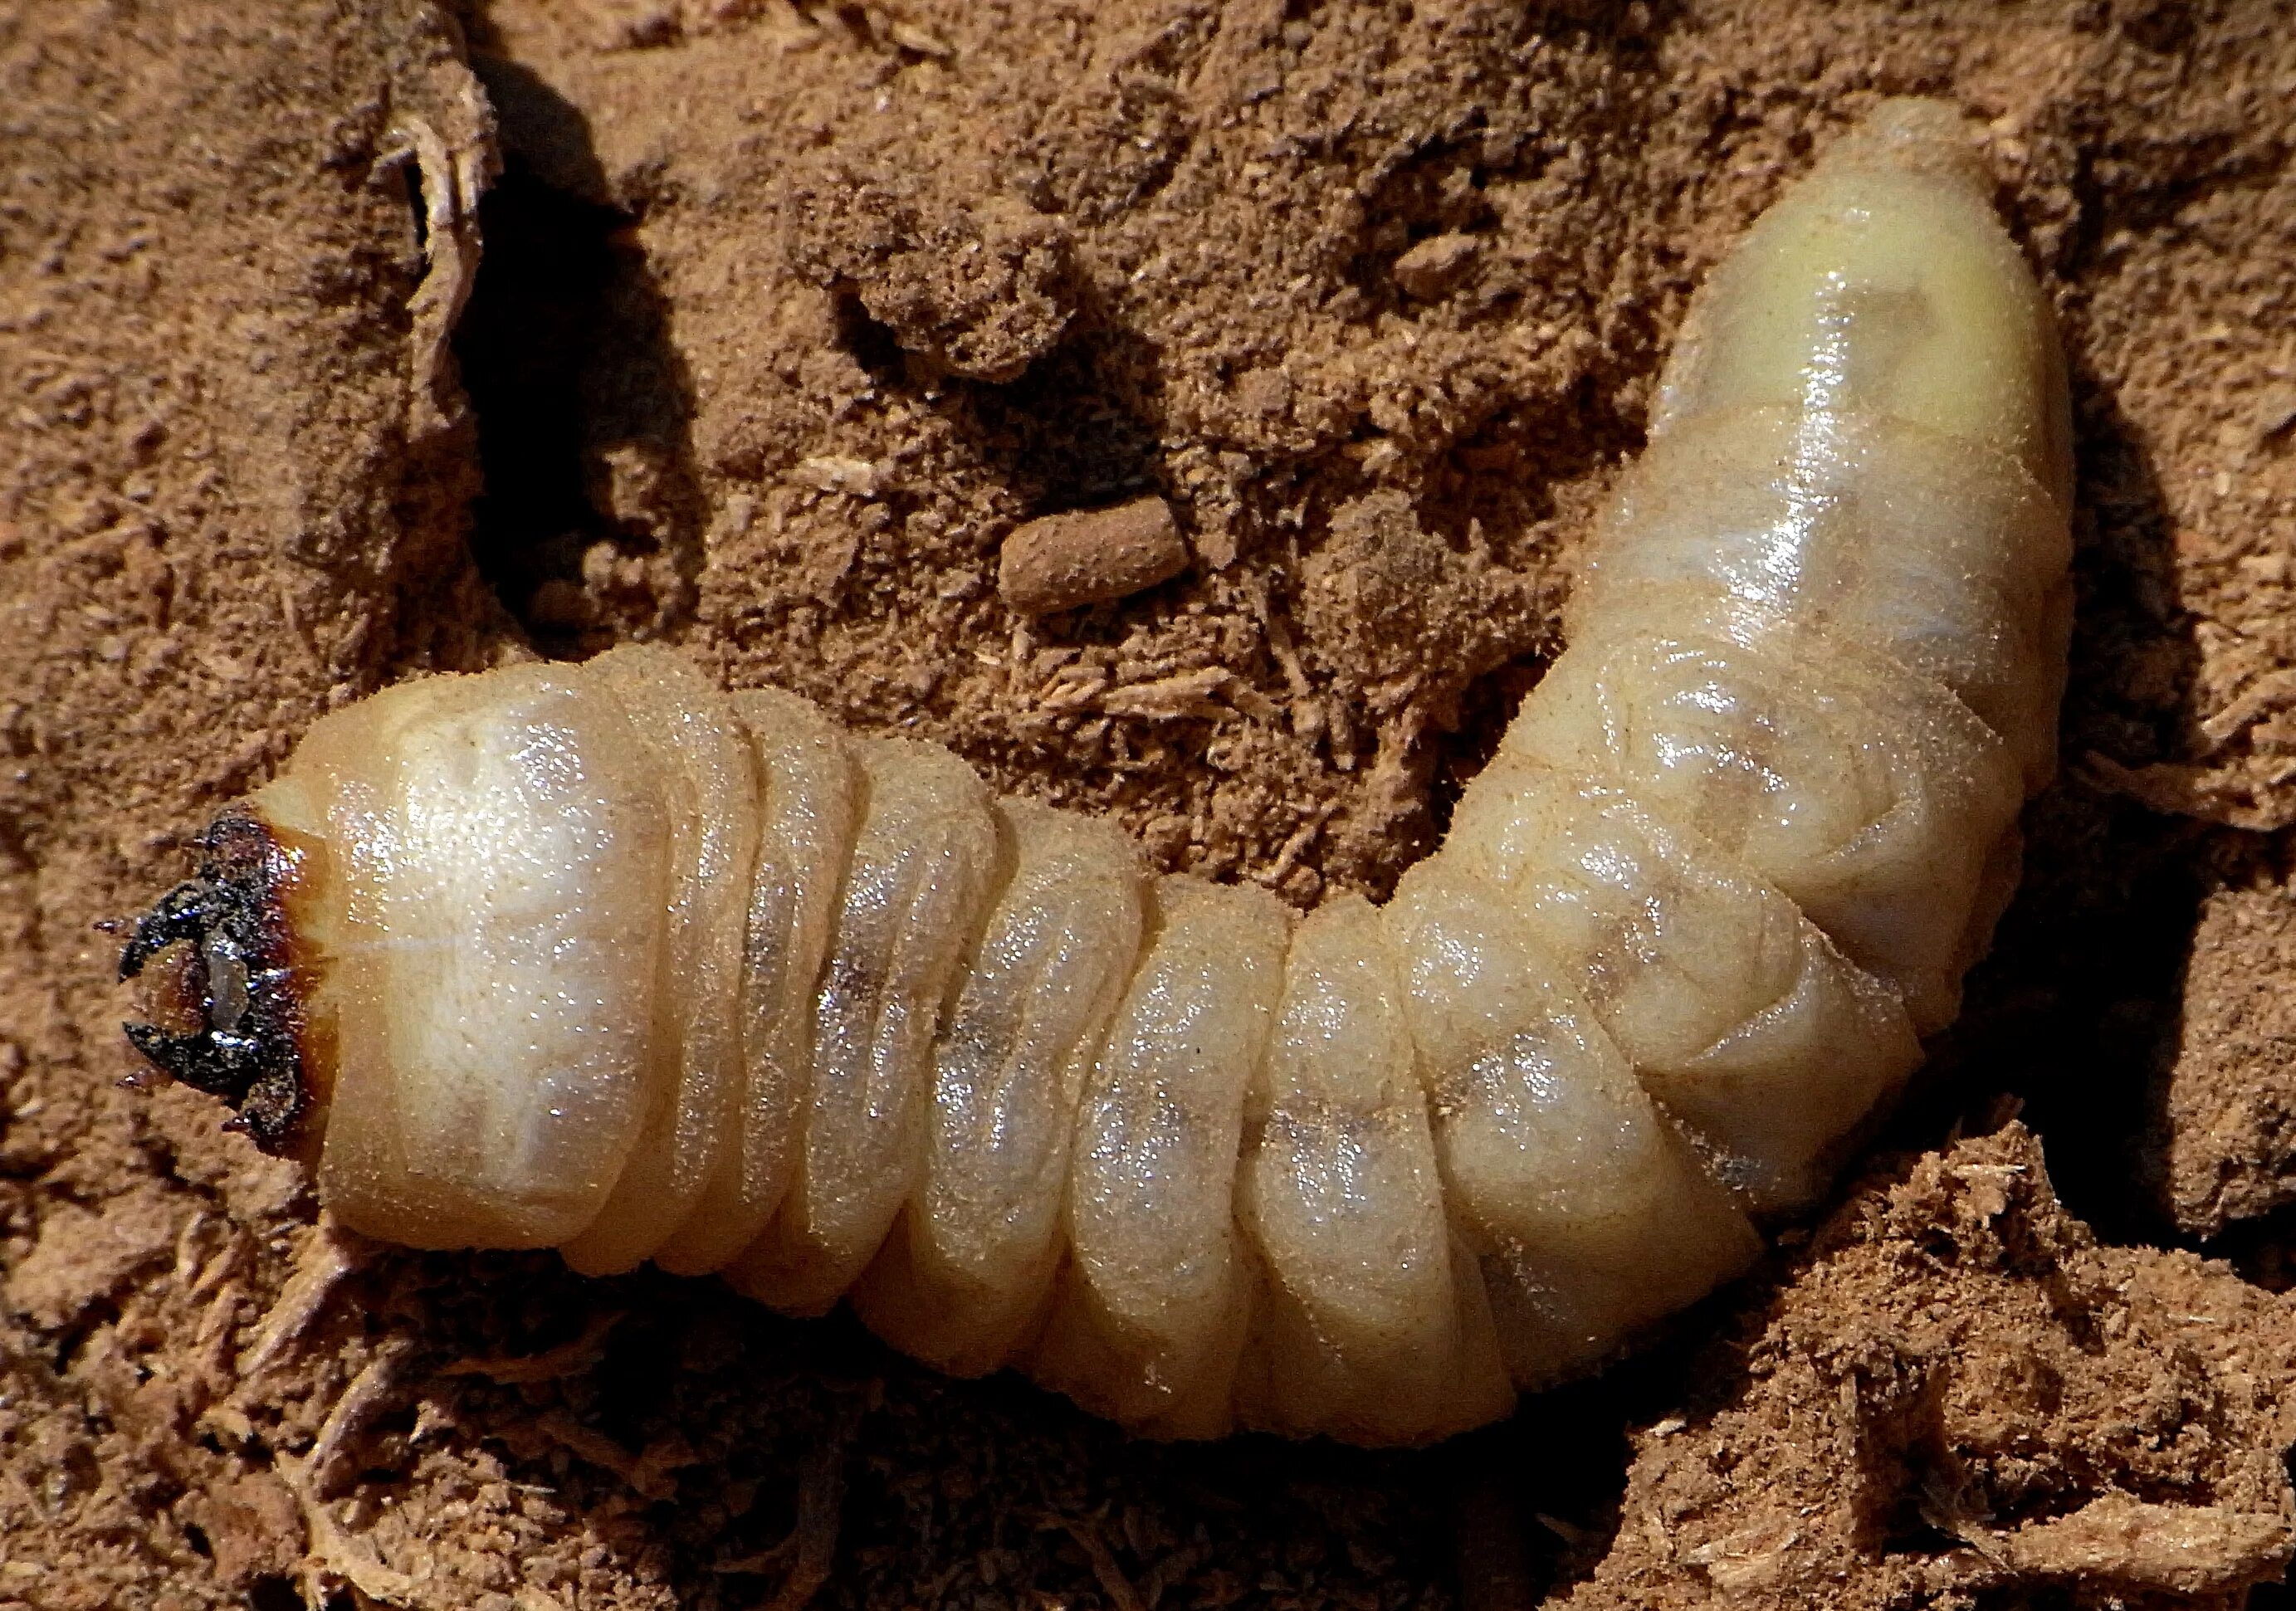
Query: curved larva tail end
{"points": [[1915, 133], [226, 1012]]}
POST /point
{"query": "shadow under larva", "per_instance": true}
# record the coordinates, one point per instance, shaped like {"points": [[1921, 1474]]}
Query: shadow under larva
{"points": [[606, 959]]}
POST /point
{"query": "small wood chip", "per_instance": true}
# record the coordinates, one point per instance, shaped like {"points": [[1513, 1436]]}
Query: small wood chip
{"points": [[327, 1257], [647, 1472], [2269, 694], [1190, 693], [568, 1358], [833, 473], [1113, 1583], [338, 1555], [2182, 1549], [1435, 266], [1090, 556], [376, 1384]]}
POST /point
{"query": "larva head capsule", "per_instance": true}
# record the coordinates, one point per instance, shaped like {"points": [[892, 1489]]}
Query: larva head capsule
{"points": [[422, 957], [225, 999]]}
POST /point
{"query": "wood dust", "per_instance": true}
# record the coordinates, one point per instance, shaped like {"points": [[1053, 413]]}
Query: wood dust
{"points": [[784, 318]]}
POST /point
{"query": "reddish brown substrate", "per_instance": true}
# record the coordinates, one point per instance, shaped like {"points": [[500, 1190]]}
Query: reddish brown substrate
{"points": [[1374, 296], [1961, 1398]]}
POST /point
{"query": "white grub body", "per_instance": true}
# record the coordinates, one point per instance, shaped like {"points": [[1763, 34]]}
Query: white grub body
{"points": [[605, 959]]}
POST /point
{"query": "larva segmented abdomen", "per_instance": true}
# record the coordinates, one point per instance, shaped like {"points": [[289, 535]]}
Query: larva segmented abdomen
{"points": [[604, 959]]}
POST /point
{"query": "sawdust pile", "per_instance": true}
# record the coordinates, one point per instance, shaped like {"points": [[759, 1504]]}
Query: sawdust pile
{"points": [[1960, 1394], [774, 322]]}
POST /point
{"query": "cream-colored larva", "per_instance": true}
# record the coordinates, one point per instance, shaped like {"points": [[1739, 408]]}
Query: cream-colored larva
{"points": [[604, 959]]}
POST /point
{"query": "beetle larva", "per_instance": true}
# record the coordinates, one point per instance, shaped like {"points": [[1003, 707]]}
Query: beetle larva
{"points": [[604, 959]]}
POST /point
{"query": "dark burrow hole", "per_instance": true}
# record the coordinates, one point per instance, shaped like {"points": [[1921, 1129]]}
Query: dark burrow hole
{"points": [[1074, 431], [587, 527], [871, 342], [523, 344], [411, 177], [636, 1373], [279, 1593]]}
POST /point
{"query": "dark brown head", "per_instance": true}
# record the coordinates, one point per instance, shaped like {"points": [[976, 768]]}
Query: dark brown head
{"points": [[225, 999]]}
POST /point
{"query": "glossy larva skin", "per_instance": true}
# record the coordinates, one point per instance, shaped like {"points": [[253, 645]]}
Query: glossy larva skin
{"points": [[602, 958]]}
